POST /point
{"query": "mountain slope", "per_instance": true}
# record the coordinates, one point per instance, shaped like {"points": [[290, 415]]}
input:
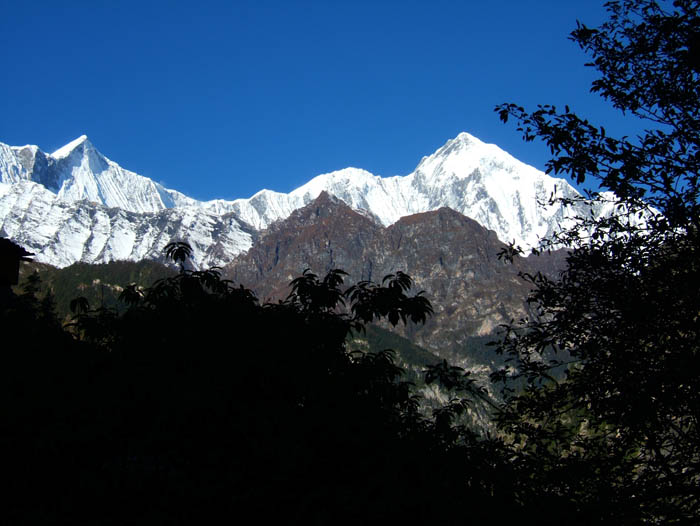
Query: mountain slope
{"points": [[77, 171], [450, 256], [61, 233]]}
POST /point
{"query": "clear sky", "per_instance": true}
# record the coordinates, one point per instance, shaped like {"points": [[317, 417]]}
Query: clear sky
{"points": [[222, 99]]}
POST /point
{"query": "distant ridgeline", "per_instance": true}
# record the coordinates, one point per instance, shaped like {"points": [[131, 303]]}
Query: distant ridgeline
{"points": [[77, 205]]}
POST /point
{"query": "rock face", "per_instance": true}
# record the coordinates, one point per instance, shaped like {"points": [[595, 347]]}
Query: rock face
{"points": [[322, 235], [451, 257], [75, 204], [78, 172]]}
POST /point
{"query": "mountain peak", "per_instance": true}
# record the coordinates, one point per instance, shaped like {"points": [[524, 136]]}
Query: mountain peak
{"points": [[462, 143], [326, 204], [65, 151], [466, 138]]}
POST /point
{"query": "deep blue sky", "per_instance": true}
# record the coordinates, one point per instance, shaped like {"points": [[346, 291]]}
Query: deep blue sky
{"points": [[223, 99]]}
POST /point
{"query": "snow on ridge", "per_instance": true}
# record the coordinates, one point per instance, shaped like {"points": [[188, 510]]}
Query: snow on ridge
{"points": [[65, 151], [32, 147], [61, 233]]}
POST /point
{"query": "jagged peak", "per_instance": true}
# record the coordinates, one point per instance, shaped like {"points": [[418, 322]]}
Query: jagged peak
{"points": [[442, 212], [466, 138], [349, 171], [346, 174], [326, 200], [463, 141], [326, 197], [325, 204], [31, 147], [465, 153], [265, 193], [65, 151]]}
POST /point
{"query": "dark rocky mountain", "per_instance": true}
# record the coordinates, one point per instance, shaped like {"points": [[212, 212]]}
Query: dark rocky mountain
{"points": [[449, 256]]}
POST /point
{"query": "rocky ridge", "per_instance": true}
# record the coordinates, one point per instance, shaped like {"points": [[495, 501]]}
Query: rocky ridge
{"points": [[450, 256]]}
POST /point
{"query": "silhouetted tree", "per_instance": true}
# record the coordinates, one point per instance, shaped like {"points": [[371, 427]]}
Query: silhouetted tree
{"points": [[608, 419], [197, 402], [179, 252], [11, 254]]}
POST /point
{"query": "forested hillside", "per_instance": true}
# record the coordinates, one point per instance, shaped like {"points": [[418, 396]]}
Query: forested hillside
{"points": [[99, 284]]}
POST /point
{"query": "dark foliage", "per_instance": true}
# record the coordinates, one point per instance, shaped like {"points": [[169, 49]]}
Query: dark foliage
{"points": [[179, 252], [608, 420], [197, 403]]}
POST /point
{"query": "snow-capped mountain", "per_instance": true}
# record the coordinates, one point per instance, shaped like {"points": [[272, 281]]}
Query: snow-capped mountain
{"points": [[78, 172], [479, 180], [77, 205], [61, 233]]}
